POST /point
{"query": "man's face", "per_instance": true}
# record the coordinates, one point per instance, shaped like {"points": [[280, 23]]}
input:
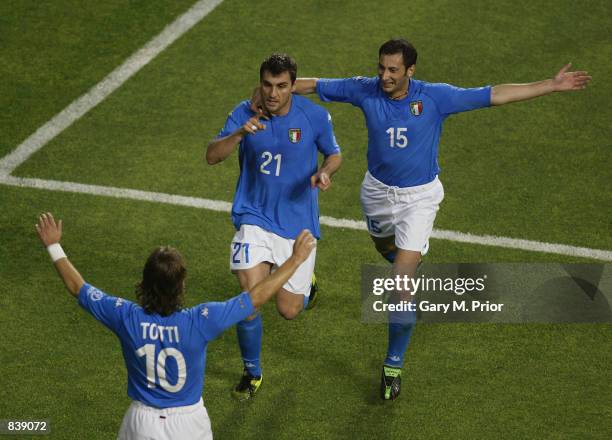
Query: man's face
{"points": [[394, 76], [276, 92]]}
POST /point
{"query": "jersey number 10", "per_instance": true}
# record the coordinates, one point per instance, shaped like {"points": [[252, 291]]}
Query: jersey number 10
{"points": [[397, 137], [148, 350]]}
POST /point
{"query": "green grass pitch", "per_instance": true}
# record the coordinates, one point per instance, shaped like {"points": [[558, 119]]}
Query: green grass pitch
{"points": [[538, 170]]}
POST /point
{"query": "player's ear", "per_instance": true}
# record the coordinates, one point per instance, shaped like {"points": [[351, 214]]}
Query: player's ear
{"points": [[293, 87], [410, 71]]}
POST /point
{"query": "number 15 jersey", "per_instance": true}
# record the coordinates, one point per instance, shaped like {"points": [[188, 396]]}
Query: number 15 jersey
{"points": [[273, 190], [403, 135]]}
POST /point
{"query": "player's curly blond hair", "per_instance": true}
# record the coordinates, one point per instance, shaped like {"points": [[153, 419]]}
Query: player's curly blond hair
{"points": [[163, 280]]}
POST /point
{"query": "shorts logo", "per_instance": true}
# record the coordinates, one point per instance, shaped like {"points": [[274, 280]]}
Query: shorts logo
{"points": [[119, 302], [295, 134], [94, 294], [416, 107], [205, 312]]}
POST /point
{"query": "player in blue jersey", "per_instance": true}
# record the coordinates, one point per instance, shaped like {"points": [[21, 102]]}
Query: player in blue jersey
{"points": [[276, 194], [401, 192], [164, 344]]}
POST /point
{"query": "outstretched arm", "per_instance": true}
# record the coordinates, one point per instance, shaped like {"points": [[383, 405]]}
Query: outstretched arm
{"points": [[305, 86], [50, 234], [266, 289], [562, 82]]}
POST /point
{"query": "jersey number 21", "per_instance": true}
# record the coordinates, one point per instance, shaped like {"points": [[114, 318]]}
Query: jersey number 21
{"points": [[267, 156]]}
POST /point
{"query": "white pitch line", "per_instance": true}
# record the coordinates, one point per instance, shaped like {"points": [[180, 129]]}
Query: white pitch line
{"points": [[221, 206], [137, 61], [108, 85]]}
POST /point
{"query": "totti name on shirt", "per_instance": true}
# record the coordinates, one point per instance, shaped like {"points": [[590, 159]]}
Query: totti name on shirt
{"points": [[159, 332]]}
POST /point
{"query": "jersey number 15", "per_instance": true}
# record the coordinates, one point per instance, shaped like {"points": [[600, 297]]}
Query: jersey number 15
{"points": [[397, 137]]}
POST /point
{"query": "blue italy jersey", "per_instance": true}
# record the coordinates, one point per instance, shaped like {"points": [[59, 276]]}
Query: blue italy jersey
{"points": [[403, 135], [273, 190], [165, 357]]}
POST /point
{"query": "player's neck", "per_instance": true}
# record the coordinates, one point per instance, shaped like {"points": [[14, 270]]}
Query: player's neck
{"points": [[401, 94]]}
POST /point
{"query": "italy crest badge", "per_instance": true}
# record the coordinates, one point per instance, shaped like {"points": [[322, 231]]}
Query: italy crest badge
{"points": [[416, 107], [295, 134]]}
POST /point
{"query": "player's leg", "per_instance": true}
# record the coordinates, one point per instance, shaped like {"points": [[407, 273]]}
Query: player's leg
{"points": [[250, 335], [385, 247], [289, 304], [249, 260], [377, 206], [400, 326], [416, 212], [295, 294]]}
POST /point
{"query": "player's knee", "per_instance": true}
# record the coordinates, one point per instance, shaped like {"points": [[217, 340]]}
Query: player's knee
{"points": [[290, 312], [385, 248]]}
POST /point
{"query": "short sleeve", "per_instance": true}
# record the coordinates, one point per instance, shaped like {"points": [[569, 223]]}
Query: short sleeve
{"points": [[450, 99], [351, 90], [236, 119], [326, 140], [109, 310], [213, 318]]}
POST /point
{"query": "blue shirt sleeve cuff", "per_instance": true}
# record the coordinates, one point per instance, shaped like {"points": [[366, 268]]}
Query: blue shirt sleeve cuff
{"points": [[248, 302], [318, 87], [83, 294]]}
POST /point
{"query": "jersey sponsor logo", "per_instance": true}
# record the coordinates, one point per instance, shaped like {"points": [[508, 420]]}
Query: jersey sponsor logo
{"points": [[295, 134], [416, 107], [94, 294]]}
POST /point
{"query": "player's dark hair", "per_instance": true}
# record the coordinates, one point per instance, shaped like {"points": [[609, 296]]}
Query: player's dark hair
{"points": [[399, 45], [163, 276], [278, 63]]}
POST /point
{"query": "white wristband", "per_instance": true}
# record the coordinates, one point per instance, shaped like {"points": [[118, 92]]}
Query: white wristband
{"points": [[56, 252]]}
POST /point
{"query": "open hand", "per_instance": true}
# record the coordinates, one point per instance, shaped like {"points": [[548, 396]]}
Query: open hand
{"points": [[48, 231], [564, 80]]}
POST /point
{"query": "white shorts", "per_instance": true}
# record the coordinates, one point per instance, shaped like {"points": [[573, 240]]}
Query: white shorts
{"points": [[253, 245], [143, 422], [408, 213]]}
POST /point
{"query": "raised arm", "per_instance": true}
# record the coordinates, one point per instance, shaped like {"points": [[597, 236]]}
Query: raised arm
{"points": [[562, 82], [50, 234], [266, 289], [219, 149]]}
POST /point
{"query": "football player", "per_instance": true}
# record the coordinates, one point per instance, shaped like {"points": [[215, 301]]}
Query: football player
{"points": [[276, 195], [401, 192], [164, 344]]}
